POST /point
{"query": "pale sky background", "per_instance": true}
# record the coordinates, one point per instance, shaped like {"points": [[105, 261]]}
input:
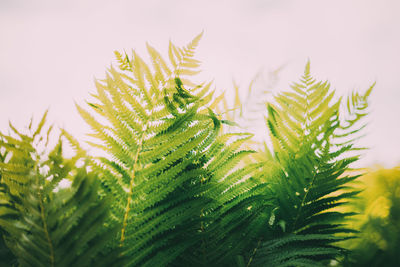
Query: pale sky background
{"points": [[50, 51]]}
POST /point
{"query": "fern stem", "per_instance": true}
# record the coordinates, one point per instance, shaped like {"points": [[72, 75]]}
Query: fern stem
{"points": [[131, 183], [303, 201], [254, 252], [304, 137]]}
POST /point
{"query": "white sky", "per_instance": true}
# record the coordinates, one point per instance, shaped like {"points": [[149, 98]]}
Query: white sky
{"points": [[50, 51]]}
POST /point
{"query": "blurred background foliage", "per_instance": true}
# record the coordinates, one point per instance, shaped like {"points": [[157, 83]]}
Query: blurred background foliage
{"points": [[378, 221]]}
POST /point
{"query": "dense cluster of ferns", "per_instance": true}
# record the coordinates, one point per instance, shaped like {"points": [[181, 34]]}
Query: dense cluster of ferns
{"points": [[172, 188]]}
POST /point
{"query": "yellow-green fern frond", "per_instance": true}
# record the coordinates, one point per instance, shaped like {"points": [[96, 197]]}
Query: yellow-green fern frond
{"points": [[309, 174], [170, 176], [50, 211]]}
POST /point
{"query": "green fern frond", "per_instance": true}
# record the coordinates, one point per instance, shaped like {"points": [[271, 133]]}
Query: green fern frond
{"points": [[43, 222], [179, 195], [297, 250], [304, 126], [67, 231], [23, 154], [153, 133]]}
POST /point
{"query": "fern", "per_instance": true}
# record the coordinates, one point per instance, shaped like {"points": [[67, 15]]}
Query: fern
{"points": [[173, 187], [8, 219], [309, 173], [56, 226], [175, 183]]}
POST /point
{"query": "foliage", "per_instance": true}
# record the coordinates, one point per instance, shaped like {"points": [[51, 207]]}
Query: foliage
{"points": [[307, 162], [175, 183], [378, 220], [43, 223], [172, 187]]}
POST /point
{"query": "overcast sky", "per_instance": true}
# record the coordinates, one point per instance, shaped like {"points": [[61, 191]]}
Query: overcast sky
{"points": [[51, 51]]}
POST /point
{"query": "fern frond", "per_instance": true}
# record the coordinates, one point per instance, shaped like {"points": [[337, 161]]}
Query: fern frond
{"points": [[304, 126], [66, 231], [43, 222], [297, 250], [179, 195]]}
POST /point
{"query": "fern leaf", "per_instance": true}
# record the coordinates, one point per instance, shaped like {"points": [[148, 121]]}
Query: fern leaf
{"points": [[304, 126], [178, 193], [57, 226]]}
